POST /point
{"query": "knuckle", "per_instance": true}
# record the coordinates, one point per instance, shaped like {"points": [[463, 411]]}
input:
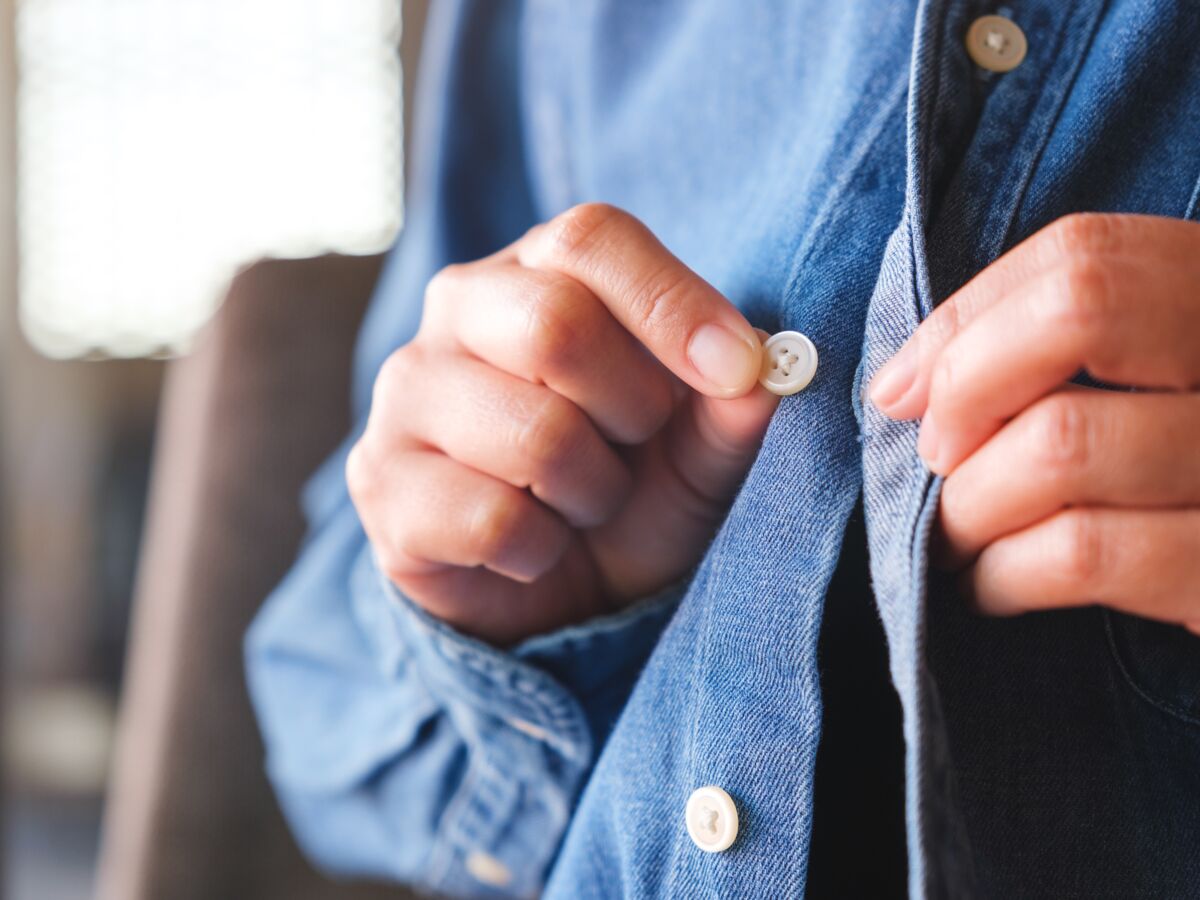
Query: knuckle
{"points": [[944, 323], [652, 412], [569, 234], [1062, 438], [359, 475], [658, 305], [944, 379], [1082, 298], [394, 376], [394, 564], [954, 507], [550, 435], [1081, 548], [1084, 233], [444, 284], [559, 323], [494, 526]]}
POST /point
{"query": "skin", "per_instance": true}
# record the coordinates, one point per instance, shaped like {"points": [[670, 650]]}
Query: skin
{"points": [[1055, 495], [555, 443], [565, 432]]}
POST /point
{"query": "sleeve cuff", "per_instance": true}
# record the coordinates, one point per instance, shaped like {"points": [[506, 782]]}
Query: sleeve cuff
{"points": [[564, 687]]}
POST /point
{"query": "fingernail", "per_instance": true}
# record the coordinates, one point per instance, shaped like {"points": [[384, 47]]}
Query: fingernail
{"points": [[927, 443], [724, 359], [894, 379]]}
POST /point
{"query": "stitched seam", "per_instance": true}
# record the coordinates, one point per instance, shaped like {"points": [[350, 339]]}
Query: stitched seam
{"points": [[708, 585], [929, 493], [552, 706], [444, 847], [836, 194], [1052, 117], [918, 212], [1161, 705]]}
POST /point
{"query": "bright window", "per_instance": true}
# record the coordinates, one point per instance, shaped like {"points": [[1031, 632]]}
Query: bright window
{"points": [[163, 143]]}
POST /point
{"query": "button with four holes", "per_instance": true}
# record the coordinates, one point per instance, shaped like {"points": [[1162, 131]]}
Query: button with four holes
{"points": [[996, 43], [712, 819], [789, 363]]}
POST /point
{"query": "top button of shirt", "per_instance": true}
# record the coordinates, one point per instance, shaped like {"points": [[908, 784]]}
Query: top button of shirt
{"points": [[996, 43]]}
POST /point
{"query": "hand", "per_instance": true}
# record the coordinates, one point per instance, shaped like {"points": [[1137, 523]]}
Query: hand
{"points": [[564, 433], [1058, 495]]}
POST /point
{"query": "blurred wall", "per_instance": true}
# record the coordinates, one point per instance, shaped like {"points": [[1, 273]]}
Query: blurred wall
{"points": [[75, 445], [75, 441]]}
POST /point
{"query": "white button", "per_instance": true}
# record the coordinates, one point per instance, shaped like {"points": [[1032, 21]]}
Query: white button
{"points": [[712, 819], [996, 43], [488, 870], [788, 364]]}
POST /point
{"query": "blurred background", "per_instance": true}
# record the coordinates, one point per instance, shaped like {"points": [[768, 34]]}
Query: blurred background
{"points": [[150, 152]]}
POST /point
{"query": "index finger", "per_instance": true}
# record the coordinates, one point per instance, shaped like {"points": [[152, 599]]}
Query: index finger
{"points": [[901, 388], [679, 317]]}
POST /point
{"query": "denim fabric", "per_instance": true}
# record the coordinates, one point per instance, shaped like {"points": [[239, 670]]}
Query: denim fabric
{"points": [[833, 168]]}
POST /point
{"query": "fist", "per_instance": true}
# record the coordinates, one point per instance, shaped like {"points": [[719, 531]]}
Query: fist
{"points": [[564, 433], [1058, 495]]}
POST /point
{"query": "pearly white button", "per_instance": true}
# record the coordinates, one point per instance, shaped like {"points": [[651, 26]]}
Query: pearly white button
{"points": [[712, 819], [488, 870], [789, 362], [996, 43]]}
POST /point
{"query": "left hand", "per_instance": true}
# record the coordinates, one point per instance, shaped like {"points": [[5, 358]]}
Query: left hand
{"points": [[1058, 495]]}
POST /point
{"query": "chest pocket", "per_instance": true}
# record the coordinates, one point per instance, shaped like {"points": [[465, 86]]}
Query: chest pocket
{"points": [[1158, 662], [1127, 145]]}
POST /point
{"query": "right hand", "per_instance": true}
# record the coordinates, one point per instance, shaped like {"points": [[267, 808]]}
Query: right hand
{"points": [[527, 464]]}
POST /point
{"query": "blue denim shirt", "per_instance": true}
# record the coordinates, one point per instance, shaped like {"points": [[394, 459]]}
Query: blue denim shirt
{"points": [[833, 168]]}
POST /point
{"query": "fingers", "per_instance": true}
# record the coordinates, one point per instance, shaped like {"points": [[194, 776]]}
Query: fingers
{"points": [[1080, 243], [714, 442], [685, 322], [424, 511], [501, 611], [524, 434], [549, 329], [1137, 561], [1029, 345], [683, 485], [1076, 447]]}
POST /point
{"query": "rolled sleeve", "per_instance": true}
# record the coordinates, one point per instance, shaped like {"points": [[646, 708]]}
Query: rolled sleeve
{"points": [[404, 749], [565, 687]]}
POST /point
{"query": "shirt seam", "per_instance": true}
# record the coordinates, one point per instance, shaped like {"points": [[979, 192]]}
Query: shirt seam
{"points": [[1053, 116]]}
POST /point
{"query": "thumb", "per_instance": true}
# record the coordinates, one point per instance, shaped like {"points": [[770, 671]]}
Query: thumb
{"points": [[684, 481], [712, 443]]}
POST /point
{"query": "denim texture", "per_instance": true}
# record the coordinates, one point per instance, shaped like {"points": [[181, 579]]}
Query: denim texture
{"points": [[836, 169]]}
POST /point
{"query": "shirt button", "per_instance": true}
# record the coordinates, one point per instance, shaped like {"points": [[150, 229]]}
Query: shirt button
{"points": [[788, 364], [712, 819], [996, 43], [488, 870]]}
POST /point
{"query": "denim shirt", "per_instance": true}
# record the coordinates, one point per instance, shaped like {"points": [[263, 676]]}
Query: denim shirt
{"points": [[836, 168]]}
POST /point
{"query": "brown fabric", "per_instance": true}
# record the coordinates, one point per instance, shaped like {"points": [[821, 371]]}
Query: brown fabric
{"points": [[245, 419]]}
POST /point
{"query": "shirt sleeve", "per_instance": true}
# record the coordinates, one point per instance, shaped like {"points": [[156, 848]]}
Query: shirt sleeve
{"points": [[398, 747], [402, 749]]}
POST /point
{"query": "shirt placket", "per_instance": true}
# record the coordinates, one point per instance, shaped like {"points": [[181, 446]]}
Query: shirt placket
{"points": [[973, 144]]}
